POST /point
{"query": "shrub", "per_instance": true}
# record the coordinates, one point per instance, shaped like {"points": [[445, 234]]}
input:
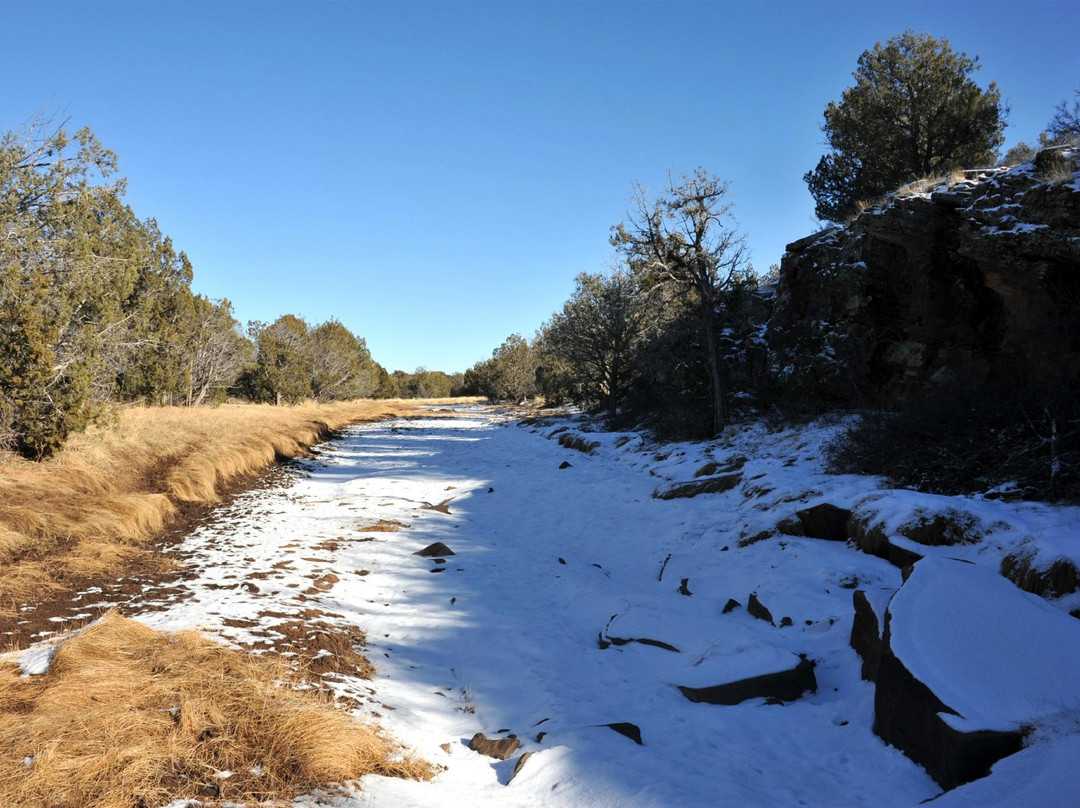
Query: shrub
{"points": [[966, 439]]}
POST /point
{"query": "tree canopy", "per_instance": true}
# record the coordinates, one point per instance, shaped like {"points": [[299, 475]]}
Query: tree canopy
{"points": [[914, 112], [686, 239]]}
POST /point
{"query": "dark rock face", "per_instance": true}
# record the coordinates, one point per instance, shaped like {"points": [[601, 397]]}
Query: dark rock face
{"points": [[784, 685], [825, 521], [906, 715], [962, 284], [866, 635]]}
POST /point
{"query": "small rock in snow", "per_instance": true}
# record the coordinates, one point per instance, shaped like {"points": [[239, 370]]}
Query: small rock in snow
{"points": [[757, 609], [498, 748], [436, 550], [631, 731]]}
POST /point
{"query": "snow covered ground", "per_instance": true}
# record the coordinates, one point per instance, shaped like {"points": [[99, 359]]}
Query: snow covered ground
{"points": [[518, 631]]}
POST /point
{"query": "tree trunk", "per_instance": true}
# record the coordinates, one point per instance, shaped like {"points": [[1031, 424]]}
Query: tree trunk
{"points": [[613, 388], [719, 398]]}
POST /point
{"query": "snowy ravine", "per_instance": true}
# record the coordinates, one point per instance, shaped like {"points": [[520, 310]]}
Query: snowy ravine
{"points": [[506, 635]]}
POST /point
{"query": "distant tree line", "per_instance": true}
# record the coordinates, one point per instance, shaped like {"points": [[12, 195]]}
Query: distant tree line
{"points": [[96, 308]]}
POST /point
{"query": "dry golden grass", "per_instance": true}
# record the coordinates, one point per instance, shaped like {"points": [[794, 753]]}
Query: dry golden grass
{"points": [[96, 505], [128, 717]]}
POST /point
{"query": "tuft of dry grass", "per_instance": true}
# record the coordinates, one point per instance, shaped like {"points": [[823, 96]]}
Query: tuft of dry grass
{"points": [[129, 717], [95, 506]]}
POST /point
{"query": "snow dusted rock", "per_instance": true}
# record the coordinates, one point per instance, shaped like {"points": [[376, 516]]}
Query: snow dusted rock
{"points": [[949, 527], [708, 485], [825, 521], [784, 685], [519, 766], [792, 526], [869, 535], [969, 663], [498, 748], [1060, 577]]}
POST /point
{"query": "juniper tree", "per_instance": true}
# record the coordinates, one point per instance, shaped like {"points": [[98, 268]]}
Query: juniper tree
{"points": [[914, 112], [595, 333]]}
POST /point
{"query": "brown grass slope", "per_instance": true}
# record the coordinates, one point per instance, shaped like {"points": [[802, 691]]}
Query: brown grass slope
{"points": [[128, 717], [94, 508]]}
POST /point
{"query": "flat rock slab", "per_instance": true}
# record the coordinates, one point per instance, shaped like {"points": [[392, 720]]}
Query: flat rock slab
{"points": [[784, 685]]}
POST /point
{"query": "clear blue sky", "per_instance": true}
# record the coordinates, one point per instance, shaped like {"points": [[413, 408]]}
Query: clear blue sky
{"points": [[435, 174]]}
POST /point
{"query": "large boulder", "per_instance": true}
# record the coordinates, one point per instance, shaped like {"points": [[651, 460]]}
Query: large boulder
{"points": [[967, 663]]}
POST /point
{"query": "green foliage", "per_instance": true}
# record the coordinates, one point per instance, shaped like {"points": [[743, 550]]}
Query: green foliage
{"points": [[64, 269], [282, 366], [510, 374], [588, 347], [341, 365], [914, 112]]}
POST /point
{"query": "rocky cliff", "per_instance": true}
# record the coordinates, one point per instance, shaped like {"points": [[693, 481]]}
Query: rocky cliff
{"points": [[968, 278]]}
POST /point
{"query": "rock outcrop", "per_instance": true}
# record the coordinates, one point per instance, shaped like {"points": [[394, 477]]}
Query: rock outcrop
{"points": [[965, 281]]}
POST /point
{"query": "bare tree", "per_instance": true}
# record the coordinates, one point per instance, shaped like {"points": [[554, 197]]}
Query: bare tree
{"points": [[687, 239], [1065, 125]]}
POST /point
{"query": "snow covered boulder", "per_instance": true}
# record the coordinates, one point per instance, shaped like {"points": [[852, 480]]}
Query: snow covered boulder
{"points": [[969, 664]]}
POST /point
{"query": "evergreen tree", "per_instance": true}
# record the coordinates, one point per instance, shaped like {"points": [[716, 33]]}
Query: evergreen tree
{"points": [[63, 271], [341, 366], [914, 112], [282, 361], [595, 334]]}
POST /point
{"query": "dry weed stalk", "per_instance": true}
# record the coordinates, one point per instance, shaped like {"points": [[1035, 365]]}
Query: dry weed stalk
{"points": [[128, 717]]}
